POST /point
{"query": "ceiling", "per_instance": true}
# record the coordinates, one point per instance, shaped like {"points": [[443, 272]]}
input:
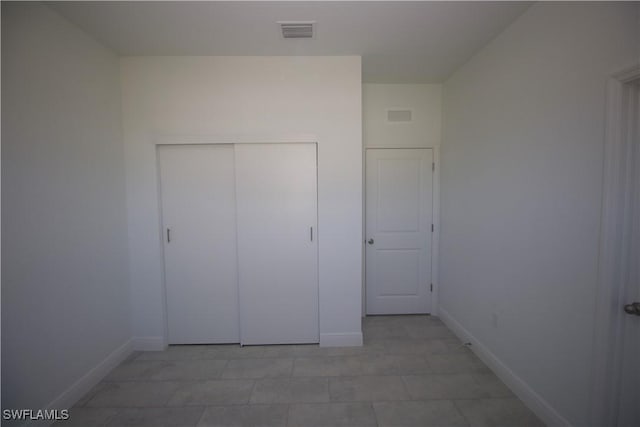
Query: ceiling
{"points": [[400, 42]]}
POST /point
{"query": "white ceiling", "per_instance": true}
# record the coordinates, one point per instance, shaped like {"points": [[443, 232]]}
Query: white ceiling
{"points": [[400, 42]]}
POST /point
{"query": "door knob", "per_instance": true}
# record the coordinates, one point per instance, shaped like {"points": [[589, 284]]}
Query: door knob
{"points": [[370, 241], [633, 308]]}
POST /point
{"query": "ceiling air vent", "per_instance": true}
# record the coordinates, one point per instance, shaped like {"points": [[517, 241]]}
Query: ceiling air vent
{"points": [[296, 30]]}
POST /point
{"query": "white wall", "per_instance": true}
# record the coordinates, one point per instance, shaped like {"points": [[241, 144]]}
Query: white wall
{"points": [[235, 99], [522, 164], [65, 294], [425, 102]]}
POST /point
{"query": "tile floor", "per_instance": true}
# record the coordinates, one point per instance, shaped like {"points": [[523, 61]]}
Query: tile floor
{"points": [[411, 371]]}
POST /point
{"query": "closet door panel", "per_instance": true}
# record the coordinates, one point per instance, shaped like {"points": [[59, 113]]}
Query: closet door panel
{"points": [[199, 217], [277, 250]]}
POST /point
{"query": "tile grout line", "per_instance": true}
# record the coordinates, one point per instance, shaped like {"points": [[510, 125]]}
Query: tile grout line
{"points": [[224, 405]]}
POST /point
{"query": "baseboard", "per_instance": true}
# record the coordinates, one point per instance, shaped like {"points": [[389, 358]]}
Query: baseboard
{"points": [[347, 339], [520, 388], [89, 380], [148, 344]]}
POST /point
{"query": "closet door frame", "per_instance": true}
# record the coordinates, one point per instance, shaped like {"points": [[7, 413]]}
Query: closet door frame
{"points": [[191, 139]]}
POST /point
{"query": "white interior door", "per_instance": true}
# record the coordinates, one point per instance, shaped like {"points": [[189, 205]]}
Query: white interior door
{"points": [[398, 230], [277, 245], [199, 218], [629, 401]]}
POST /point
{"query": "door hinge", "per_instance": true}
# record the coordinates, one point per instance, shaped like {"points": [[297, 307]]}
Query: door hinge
{"points": [[432, 228], [433, 167], [431, 288]]}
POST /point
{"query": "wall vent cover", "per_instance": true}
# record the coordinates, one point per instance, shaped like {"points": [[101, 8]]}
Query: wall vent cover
{"points": [[399, 115], [297, 29]]}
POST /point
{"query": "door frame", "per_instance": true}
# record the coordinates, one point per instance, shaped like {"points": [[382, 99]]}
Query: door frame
{"points": [[160, 140], [607, 354], [435, 215]]}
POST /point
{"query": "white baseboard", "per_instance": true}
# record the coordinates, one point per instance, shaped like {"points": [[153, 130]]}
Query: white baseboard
{"points": [[347, 339], [533, 400], [89, 380], [148, 344]]}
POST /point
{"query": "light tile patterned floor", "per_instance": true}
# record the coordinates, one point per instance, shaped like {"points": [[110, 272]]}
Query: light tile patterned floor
{"points": [[411, 371]]}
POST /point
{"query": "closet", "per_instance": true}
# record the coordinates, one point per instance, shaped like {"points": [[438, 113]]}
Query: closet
{"points": [[240, 243]]}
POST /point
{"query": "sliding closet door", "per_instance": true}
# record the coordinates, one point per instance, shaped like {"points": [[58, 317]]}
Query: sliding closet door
{"points": [[199, 219], [277, 248]]}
